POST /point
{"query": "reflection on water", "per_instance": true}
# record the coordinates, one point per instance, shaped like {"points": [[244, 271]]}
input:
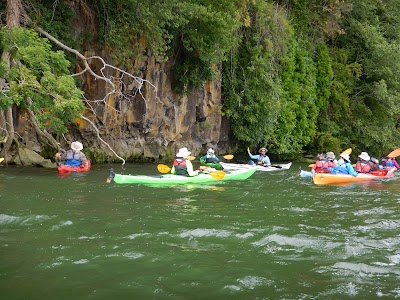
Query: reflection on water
{"points": [[273, 236]]}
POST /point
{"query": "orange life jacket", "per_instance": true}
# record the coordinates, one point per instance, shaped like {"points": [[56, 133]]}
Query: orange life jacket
{"points": [[363, 167]]}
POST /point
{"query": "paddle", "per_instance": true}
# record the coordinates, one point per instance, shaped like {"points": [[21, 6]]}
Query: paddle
{"points": [[394, 153], [191, 157], [1, 159], [163, 168], [215, 174], [228, 156], [111, 175]]}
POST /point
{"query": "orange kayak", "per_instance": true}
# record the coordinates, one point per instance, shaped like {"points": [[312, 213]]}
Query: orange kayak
{"points": [[328, 178]]}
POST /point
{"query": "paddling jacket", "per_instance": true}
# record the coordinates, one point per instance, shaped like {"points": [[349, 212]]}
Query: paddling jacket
{"points": [[74, 159], [183, 167], [262, 160], [210, 158], [363, 167], [343, 167], [323, 165]]}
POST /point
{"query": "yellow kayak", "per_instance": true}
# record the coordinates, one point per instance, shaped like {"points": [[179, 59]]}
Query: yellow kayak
{"points": [[328, 178]]}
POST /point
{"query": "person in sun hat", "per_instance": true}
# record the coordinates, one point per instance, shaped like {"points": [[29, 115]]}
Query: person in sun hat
{"points": [[374, 164], [362, 165], [183, 166], [325, 164], [262, 158], [343, 166], [73, 157], [210, 157]]}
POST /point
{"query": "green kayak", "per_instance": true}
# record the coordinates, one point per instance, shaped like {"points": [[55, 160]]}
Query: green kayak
{"points": [[212, 165], [171, 179]]}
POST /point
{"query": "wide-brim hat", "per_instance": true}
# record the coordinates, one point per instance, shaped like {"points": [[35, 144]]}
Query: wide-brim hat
{"points": [[345, 156], [364, 156], [210, 151], [330, 155], [183, 152], [263, 149], [374, 160], [76, 146]]}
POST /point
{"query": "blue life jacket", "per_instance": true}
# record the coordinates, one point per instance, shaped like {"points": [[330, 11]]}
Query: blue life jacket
{"points": [[73, 159]]}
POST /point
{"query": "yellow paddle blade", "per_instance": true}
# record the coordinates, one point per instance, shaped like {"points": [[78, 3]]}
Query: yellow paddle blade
{"points": [[347, 151], [163, 168], [191, 157], [1, 159], [311, 165], [217, 174], [228, 156], [394, 153]]}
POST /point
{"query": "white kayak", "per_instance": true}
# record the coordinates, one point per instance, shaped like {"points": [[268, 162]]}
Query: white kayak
{"points": [[275, 167]]}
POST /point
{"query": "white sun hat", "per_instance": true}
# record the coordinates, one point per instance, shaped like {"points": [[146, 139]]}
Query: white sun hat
{"points": [[364, 156], [345, 156], [183, 152], [76, 146], [211, 151]]}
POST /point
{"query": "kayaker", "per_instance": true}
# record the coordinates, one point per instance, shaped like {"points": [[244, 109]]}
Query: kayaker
{"points": [[390, 162], [210, 157], [183, 166], [343, 166], [374, 163], [262, 158], [73, 157], [325, 164], [362, 165]]}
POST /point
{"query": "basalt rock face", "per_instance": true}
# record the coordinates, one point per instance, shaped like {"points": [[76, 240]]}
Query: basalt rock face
{"points": [[154, 123], [150, 125]]}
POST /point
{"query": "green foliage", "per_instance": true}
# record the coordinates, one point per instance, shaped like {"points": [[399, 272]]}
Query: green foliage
{"points": [[199, 32], [41, 75]]}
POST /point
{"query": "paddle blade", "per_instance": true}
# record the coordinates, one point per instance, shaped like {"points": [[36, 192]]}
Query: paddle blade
{"points": [[228, 156], [347, 151], [191, 157], [163, 168], [311, 165], [394, 153], [379, 173], [1, 159], [217, 174]]}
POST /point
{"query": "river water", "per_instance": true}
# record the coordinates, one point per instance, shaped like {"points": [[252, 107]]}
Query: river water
{"points": [[273, 236]]}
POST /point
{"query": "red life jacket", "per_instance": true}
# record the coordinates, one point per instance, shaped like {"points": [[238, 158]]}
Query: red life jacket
{"points": [[323, 166], [180, 167], [363, 167]]}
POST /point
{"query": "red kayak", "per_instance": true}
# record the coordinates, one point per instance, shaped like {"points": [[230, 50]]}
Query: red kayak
{"points": [[63, 169]]}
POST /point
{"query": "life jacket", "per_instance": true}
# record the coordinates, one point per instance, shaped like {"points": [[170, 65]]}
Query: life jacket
{"points": [[388, 163], [180, 167], [210, 158], [323, 166], [260, 160], [363, 167], [73, 159]]}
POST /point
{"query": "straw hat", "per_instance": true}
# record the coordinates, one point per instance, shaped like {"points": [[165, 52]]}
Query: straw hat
{"points": [[364, 156], [76, 146], [262, 149], [183, 152]]}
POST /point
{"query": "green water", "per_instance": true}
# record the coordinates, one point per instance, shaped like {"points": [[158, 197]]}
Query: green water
{"points": [[273, 236]]}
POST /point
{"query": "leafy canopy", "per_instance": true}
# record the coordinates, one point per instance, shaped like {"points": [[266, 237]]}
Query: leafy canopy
{"points": [[41, 75]]}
